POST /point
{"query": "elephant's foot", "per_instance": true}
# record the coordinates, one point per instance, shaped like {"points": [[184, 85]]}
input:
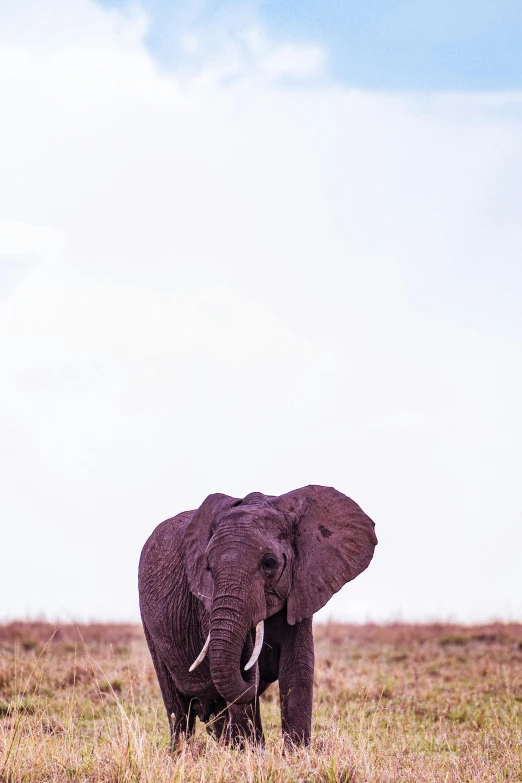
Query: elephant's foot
{"points": [[217, 725], [294, 740], [181, 728], [244, 726]]}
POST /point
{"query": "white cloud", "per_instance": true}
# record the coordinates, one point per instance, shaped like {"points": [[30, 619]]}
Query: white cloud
{"points": [[247, 287], [297, 61], [22, 239], [27, 26], [247, 53], [411, 420]]}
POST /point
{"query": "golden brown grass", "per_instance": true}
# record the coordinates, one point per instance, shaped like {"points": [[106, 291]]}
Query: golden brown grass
{"points": [[392, 703]]}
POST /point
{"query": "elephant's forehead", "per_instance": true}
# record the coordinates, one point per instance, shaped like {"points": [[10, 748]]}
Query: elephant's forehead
{"points": [[263, 519]]}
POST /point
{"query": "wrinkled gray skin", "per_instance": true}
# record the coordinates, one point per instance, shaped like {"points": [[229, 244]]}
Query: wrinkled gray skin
{"points": [[225, 567]]}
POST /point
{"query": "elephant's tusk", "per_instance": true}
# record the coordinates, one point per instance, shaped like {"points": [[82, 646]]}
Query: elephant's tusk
{"points": [[201, 657], [260, 632]]}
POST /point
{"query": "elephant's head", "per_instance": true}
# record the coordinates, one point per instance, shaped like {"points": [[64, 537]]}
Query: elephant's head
{"points": [[248, 559]]}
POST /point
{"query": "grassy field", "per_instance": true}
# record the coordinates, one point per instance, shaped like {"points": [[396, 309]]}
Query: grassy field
{"points": [[392, 703]]}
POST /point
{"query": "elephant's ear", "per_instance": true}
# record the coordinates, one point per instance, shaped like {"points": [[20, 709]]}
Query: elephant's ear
{"points": [[197, 536], [334, 541]]}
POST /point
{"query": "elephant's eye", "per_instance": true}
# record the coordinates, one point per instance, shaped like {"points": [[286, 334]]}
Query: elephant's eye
{"points": [[269, 562]]}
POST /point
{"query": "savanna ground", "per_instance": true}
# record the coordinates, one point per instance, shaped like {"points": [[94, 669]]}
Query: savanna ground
{"points": [[392, 703]]}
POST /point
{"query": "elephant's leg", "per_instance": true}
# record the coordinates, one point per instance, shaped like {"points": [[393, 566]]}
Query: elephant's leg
{"points": [[244, 724], [180, 717], [296, 680], [257, 724], [217, 725]]}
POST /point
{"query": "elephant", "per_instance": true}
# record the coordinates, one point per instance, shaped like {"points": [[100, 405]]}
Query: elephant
{"points": [[227, 594]]}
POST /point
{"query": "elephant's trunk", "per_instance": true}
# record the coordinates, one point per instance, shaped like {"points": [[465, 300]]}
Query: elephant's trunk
{"points": [[230, 624]]}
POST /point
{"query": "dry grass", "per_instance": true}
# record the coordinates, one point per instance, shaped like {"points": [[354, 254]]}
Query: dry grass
{"points": [[392, 703]]}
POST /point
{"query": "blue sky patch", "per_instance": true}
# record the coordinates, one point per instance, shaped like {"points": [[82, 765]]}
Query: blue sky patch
{"points": [[371, 44]]}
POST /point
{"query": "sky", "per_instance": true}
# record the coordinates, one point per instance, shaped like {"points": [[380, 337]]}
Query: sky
{"points": [[242, 250], [371, 44]]}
